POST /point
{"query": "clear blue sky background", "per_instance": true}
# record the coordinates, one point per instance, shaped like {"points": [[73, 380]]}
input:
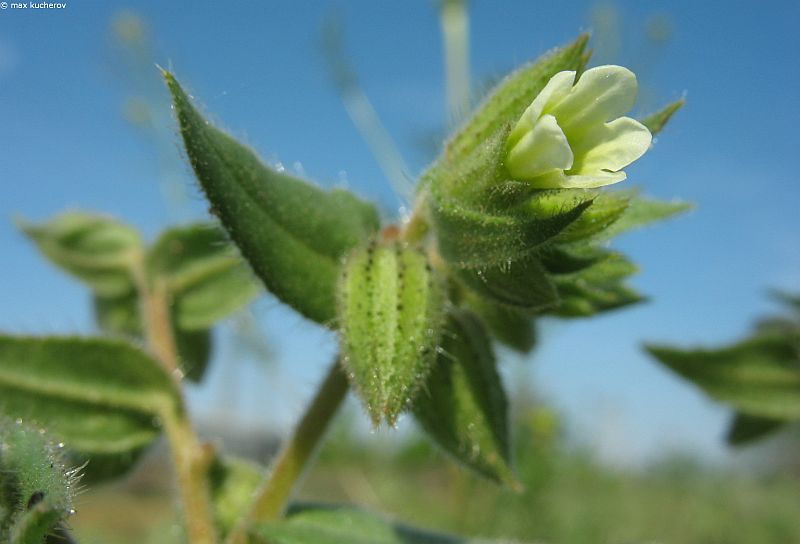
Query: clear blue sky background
{"points": [[257, 69]]}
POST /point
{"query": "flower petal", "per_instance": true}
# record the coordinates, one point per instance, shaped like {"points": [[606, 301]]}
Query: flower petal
{"points": [[601, 94], [611, 146], [556, 89], [540, 150], [559, 180]]}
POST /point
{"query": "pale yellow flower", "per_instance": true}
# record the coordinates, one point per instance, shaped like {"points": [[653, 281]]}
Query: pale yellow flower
{"points": [[573, 135]]}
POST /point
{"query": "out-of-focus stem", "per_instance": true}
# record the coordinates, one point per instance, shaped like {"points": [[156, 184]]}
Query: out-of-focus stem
{"points": [[455, 33], [276, 490], [189, 457]]}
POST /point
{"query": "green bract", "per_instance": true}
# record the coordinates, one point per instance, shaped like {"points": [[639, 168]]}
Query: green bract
{"points": [[572, 135]]}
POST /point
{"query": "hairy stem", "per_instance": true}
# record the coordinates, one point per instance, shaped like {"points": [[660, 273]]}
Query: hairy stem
{"points": [[189, 457], [276, 490]]}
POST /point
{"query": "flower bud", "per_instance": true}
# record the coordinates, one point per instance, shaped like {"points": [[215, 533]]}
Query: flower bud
{"points": [[391, 306]]}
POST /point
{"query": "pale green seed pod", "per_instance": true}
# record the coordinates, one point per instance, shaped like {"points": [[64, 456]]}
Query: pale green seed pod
{"points": [[390, 308]]}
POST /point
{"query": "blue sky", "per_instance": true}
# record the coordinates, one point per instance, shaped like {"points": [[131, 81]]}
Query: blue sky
{"points": [[257, 69]]}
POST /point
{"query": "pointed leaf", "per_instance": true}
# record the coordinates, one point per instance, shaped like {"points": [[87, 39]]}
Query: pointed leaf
{"points": [[643, 211], [656, 122], [100, 396], [390, 314], [292, 233], [745, 428], [95, 249], [463, 406], [759, 376], [204, 275]]}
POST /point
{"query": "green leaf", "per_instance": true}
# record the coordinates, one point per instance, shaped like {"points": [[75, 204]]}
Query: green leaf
{"points": [[658, 120], [100, 396], [95, 249], [36, 487], [510, 326], [513, 95], [390, 316], [759, 376], [317, 524], [584, 300], [194, 352], [522, 284], [204, 275], [233, 483], [292, 233], [120, 316], [746, 428], [463, 406], [472, 237], [642, 212]]}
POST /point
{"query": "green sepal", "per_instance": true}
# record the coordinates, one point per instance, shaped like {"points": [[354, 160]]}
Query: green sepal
{"points": [[656, 122], [606, 209], [745, 428], [390, 314], [463, 406], [523, 284], [759, 376], [95, 249], [506, 103], [292, 233], [470, 237], [36, 487], [643, 211]]}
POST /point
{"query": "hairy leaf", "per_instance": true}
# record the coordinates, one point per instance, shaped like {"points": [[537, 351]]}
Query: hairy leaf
{"points": [[292, 233], [522, 284], [390, 313], [759, 376], [99, 395], [317, 524], [463, 406], [95, 249], [204, 275]]}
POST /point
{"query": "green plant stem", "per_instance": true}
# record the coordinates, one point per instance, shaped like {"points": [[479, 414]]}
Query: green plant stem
{"points": [[455, 32], [190, 459], [276, 490]]}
